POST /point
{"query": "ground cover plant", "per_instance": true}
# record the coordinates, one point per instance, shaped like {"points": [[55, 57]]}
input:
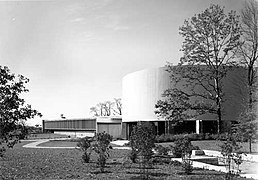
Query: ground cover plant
{"points": [[28, 163]]}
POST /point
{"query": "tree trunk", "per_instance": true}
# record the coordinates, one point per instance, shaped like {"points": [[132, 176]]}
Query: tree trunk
{"points": [[218, 103], [250, 145]]}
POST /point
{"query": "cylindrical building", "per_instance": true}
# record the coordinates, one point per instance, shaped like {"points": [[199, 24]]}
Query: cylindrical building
{"points": [[142, 89]]}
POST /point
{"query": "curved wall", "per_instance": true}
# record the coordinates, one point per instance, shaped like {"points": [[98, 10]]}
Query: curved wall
{"points": [[140, 92], [142, 89]]}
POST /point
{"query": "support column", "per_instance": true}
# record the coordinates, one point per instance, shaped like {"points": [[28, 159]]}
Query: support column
{"points": [[198, 128]]}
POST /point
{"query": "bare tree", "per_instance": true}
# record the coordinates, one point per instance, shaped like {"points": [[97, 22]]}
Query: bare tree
{"points": [[248, 51], [118, 105], [101, 107], [94, 110], [108, 106]]}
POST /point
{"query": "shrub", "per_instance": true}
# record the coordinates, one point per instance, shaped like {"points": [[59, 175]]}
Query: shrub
{"points": [[101, 147], [142, 140], [85, 145], [207, 136], [187, 165], [161, 150], [230, 151], [182, 147], [132, 155], [2, 151]]}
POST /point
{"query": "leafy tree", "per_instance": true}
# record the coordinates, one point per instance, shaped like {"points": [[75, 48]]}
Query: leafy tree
{"points": [[248, 51], [210, 41], [247, 129], [13, 110]]}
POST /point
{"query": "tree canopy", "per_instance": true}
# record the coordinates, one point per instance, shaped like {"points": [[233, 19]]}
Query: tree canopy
{"points": [[13, 109], [209, 47]]}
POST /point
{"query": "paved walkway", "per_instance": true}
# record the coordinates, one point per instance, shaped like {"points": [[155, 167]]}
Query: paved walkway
{"points": [[35, 144], [40, 141], [249, 169]]}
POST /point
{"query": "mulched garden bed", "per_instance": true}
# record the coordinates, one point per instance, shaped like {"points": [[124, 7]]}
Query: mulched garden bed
{"points": [[26, 163]]}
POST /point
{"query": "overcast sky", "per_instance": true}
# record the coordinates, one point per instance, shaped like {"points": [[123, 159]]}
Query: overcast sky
{"points": [[75, 53]]}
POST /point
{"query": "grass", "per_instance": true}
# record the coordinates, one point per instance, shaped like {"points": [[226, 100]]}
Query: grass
{"points": [[207, 145], [26, 163], [46, 136]]}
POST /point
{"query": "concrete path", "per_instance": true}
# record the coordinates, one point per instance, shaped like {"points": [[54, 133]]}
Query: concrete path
{"points": [[246, 172], [40, 141], [35, 144]]}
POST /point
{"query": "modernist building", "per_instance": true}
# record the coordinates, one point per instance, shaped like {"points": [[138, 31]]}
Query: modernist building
{"points": [[84, 127], [142, 90]]}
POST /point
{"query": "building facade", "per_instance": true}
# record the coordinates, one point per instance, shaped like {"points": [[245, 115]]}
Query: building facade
{"points": [[84, 127], [142, 90]]}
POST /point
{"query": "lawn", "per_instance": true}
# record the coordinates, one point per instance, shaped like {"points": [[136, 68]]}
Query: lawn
{"points": [[46, 136], [26, 163], [207, 145]]}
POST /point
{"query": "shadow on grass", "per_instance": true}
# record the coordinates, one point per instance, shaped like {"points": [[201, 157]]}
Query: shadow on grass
{"points": [[200, 173], [154, 174], [99, 172], [143, 178]]}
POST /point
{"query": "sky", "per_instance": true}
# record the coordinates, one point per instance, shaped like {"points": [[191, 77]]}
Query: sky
{"points": [[75, 53]]}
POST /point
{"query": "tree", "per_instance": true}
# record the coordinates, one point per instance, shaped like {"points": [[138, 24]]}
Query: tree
{"points": [[94, 110], [248, 51], [102, 147], [247, 129], [107, 108], [142, 141], [13, 110], [210, 41], [118, 105], [230, 150]]}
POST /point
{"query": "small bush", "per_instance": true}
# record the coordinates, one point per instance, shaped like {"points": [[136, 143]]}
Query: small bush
{"points": [[187, 165], [132, 155], [161, 160], [84, 145], [101, 147], [207, 136], [2, 151], [175, 163], [161, 150]]}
